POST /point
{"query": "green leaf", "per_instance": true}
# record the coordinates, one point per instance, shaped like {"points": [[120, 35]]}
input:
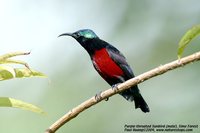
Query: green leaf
{"points": [[7, 72], [10, 102], [25, 72], [186, 39]]}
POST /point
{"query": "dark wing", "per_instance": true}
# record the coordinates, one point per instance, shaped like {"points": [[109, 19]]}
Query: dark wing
{"points": [[120, 60]]}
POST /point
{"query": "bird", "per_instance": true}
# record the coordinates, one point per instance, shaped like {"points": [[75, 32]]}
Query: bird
{"points": [[110, 63]]}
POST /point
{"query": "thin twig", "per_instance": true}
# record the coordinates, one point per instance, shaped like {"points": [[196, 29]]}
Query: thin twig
{"points": [[13, 54], [121, 87], [4, 59]]}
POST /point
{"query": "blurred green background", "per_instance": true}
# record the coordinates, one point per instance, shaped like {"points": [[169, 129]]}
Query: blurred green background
{"points": [[147, 32]]}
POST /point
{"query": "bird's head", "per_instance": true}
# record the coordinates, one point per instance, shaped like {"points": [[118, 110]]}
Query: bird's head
{"points": [[81, 35]]}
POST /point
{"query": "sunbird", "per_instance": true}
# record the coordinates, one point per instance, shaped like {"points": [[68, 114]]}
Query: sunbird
{"points": [[110, 63]]}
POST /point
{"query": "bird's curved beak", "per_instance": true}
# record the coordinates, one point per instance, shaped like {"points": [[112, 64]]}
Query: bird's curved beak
{"points": [[66, 34]]}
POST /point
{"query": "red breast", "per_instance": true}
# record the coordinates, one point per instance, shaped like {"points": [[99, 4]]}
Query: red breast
{"points": [[105, 65]]}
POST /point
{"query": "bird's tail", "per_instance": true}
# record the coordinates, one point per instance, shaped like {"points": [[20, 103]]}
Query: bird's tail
{"points": [[140, 103], [133, 94]]}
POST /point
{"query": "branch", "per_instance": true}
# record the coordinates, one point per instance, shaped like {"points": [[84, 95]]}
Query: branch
{"points": [[121, 87]]}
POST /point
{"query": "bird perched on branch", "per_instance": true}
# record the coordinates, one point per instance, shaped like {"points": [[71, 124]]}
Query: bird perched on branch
{"points": [[110, 63]]}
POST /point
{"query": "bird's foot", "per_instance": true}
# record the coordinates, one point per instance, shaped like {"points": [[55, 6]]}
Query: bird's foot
{"points": [[115, 87], [107, 99], [98, 96]]}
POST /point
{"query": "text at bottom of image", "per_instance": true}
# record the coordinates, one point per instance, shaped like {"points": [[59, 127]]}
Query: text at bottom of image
{"points": [[161, 128]]}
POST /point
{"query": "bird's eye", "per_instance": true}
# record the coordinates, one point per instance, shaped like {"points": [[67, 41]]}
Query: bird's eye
{"points": [[76, 35]]}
